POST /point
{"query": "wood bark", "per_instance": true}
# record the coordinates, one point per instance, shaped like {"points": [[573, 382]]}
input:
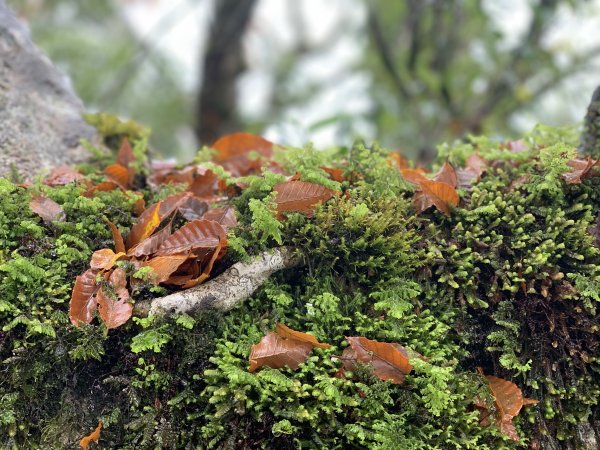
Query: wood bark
{"points": [[227, 290]]}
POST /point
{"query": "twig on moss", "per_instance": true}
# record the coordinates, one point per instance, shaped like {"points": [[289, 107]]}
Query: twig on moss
{"points": [[222, 293]]}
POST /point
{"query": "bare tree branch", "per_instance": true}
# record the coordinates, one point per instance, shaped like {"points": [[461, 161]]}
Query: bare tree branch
{"points": [[224, 292]]}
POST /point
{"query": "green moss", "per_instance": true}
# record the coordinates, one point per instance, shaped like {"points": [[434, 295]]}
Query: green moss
{"points": [[508, 282]]}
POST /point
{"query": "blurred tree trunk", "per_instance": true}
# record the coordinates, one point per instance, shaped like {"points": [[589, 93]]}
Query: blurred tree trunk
{"points": [[222, 63]]}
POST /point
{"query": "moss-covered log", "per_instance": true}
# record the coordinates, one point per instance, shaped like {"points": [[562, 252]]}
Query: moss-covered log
{"points": [[504, 283]]}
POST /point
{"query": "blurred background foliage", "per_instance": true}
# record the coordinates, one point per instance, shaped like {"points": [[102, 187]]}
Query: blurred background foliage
{"points": [[408, 73]]}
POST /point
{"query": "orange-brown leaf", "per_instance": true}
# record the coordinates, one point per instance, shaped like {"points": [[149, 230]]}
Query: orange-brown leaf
{"points": [[93, 436], [288, 333], [300, 196], [104, 259], [145, 226], [83, 301], [113, 313], [276, 352], [390, 361], [164, 266], [205, 275], [233, 152], [447, 175], [335, 173], [120, 174], [61, 175], [200, 233], [47, 209], [151, 244], [436, 193], [414, 176], [205, 185], [171, 203], [125, 154], [395, 157], [117, 237], [509, 401]]}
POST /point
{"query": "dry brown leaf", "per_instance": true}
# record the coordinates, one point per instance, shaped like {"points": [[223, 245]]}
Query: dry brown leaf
{"points": [[104, 259], [276, 352], [200, 233], [193, 208], [47, 209], [119, 174], [300, 196], [234, 149], [164, 266], [117, 237], [145, 226], [414, 176], [151, 244], [509, 401], [288, 333], [125, 154], [334, 173], [205, 275], [115, 312], [93, 436], [435, 193], [225, 216], [83, 301], [582, 169], [390, 361]]}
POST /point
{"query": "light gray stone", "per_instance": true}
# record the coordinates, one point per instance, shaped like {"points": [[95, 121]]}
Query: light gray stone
{"points": [[40, 116]]}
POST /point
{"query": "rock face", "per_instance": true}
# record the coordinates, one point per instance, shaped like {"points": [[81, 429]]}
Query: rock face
{"points": [[40, 115]]}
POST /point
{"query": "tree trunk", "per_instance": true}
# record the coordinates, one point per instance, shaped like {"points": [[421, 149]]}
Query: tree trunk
{"points": [[222, 64]]}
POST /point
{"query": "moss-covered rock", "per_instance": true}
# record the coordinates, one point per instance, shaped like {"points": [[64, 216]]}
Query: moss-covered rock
{"points": [[508, 283]]}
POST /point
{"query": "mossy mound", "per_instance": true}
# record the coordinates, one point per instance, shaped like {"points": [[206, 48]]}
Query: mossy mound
{"points": [[508, 283]]}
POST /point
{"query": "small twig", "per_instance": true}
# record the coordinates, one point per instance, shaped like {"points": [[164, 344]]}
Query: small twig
{"points": [[224, 292]]}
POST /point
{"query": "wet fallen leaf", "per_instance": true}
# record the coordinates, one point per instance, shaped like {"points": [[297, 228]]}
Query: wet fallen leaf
{"points": [[120, 175], [151, 244]]}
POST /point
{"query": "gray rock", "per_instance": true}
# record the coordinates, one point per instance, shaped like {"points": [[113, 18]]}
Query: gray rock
{"points": [[40, 115]]}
